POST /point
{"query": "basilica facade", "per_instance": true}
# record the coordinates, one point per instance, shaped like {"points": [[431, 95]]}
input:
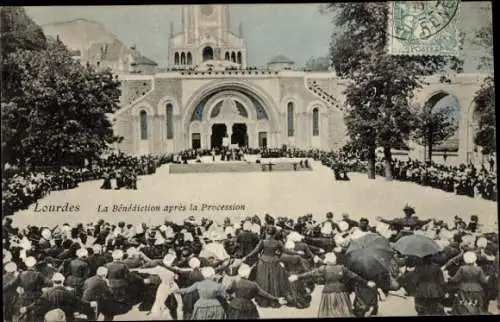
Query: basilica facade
{"points": [[209, 97]]}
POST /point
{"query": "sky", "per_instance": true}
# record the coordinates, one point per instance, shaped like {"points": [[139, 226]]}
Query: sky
{"points": [[299, 31]]}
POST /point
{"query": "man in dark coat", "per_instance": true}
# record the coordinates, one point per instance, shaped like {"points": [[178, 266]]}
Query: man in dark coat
{"points": [[352, 223], [59, 297], [9, 290], [407, 224], [246, 240], [79, 271], [95, 289]]}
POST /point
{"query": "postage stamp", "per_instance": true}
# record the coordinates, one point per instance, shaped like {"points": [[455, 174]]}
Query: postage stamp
{"points": [[424, 27]]}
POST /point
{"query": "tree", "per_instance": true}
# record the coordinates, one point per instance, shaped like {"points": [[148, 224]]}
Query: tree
{"points": [[485, 136], [19, 32], [378, 107], [54, 109], [318, 64], [434, 127]]}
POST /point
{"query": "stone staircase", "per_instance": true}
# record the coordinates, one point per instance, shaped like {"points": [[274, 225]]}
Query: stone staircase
{"points": [[321, 93]]}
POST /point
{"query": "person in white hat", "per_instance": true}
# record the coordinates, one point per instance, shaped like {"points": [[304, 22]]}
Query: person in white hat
{"points": [[208, 306], [247, 240], [167, 286], [241, 306], [470, 279], [335, 300], [96, 290], [118, 272], [79, 271], [44, 242]]}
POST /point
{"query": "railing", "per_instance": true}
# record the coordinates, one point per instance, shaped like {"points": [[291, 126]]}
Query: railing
{"points": [[314, 88]]}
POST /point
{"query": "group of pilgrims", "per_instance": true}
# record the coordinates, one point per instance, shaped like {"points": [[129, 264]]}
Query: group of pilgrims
{"points": [[198, 269]]}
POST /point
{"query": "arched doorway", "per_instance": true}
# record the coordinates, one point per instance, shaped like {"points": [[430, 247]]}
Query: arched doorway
{"points": [[219, 132], [240, 135], [439, 134], [208, 53]]}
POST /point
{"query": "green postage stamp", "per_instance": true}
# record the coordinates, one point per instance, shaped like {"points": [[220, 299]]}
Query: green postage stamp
{"points": [[424, 27]]}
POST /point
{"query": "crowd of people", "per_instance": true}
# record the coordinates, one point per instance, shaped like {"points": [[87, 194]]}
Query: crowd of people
{"points": [[21, 188], [198, 269]]}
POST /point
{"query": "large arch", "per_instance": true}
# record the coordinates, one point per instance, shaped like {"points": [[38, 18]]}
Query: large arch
{"points": [[252, 91], [439, 99]]}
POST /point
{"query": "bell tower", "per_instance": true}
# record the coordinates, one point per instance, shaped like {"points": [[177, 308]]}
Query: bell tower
{"points": [[206, 36]]}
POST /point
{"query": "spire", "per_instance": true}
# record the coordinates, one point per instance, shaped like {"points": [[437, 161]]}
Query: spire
{"points": [[171, 29], [241, 30]]}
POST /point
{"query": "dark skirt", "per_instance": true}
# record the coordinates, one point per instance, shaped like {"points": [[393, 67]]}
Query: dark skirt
{"points": [[298, 296], [242, 309], [273, 279], [468, 303], [208, 309], [335, 305]]}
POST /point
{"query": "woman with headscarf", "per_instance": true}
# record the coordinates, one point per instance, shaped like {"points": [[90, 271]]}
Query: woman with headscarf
{"points": [[335, 300], [269, 275], [244, 291], [208, 306], [470, 280], [166, 287]]}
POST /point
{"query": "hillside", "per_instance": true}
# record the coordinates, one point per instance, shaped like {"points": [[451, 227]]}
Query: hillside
{"points": [[80, 34]]}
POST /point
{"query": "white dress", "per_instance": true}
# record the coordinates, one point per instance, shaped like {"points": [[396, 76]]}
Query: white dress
{"points": [[159, 311]]}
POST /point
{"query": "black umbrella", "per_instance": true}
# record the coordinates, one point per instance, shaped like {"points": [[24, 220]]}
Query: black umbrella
{"points": [[417, 245], [370, 257]]}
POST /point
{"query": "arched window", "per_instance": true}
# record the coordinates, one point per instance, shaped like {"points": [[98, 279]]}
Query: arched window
{"points": [[189, 59], [208, 53], [239, 57], [144, 125], [227, 56], [183, 59], [170, 121], [176, 59], [315, 122], [233, 57], [290, 116]]}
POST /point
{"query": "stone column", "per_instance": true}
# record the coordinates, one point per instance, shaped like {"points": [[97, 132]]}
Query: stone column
{"points": [[251, 132], [135, 135]]}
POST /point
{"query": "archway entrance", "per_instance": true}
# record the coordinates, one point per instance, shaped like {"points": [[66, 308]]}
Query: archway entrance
{"points": [[218, 133], [239, 135], [208, 53]]}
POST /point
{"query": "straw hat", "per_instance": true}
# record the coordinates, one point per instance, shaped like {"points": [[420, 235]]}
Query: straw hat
{"points": [[168, 259], [30, 261], [244, 270], [10, 267], [194, 263], [470, 257], [208, 272], [117, 254], [58, 277], [330, 258]]}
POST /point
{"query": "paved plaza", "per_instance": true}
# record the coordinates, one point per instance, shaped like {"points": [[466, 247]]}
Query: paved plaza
{"points": [[277, 193]]}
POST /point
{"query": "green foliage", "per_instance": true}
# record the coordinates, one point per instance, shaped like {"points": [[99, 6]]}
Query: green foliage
{"points": [[19, 32], [435, 126], [53, 108], [485, 115], [317, 64], [378, 106]]}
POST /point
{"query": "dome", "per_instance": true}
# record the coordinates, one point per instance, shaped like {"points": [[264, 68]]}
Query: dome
{"points": [[280, 59]]}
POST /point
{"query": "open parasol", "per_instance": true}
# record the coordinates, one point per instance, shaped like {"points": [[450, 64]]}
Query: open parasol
{"points": [[417, 245], [370, 257]]}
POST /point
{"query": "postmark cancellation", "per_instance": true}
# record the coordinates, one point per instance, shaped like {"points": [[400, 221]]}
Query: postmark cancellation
{"points": [[424, 28]]}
